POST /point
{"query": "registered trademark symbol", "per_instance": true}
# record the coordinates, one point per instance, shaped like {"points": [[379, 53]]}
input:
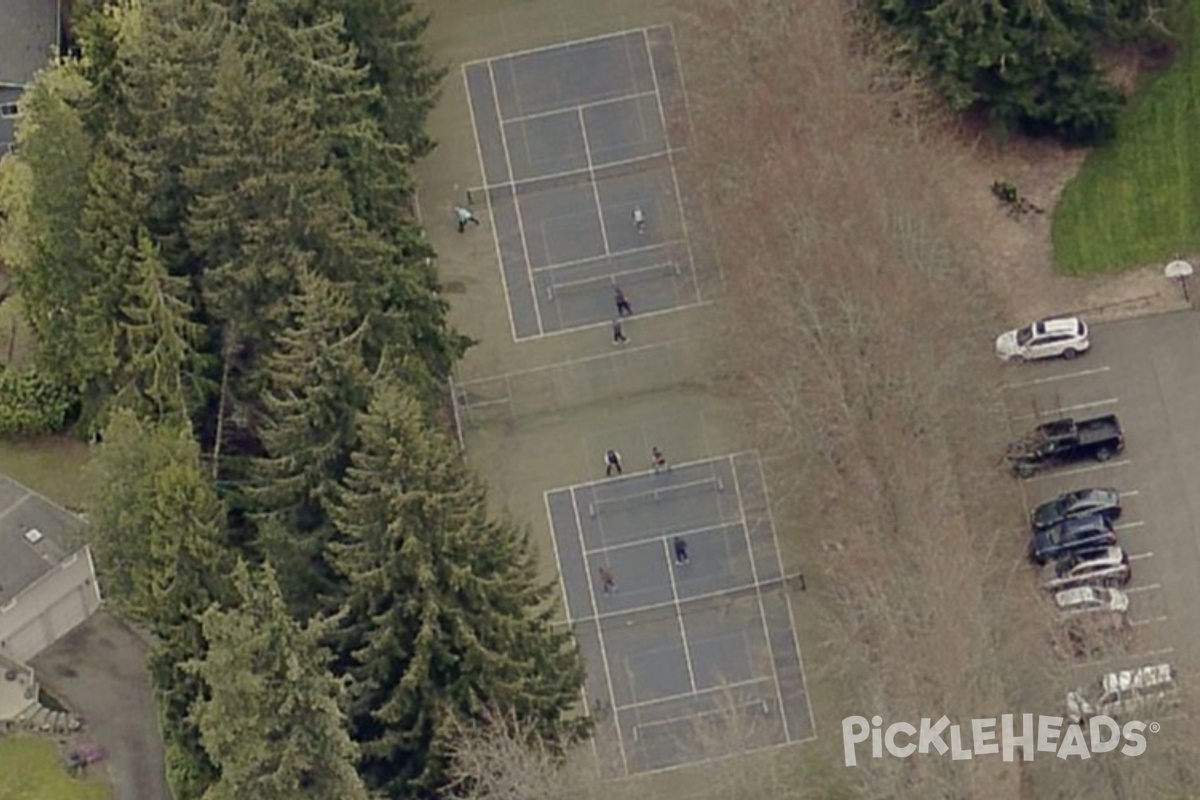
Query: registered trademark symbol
{"points": [[1155, 727]]}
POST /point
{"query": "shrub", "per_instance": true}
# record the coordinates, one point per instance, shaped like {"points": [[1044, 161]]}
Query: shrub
{"points": [[32, 403]]}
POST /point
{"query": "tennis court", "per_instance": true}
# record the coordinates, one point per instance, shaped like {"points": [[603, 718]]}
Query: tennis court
{"points": [[572, 139], [691, 650]]}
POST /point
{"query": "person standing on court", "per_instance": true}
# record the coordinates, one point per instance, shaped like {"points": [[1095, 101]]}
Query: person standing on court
{"points": [[612, 461], [623, 307], [619, 336], [658, 460], [639, 220], [608, 581], [681, 551], [465, 215]]}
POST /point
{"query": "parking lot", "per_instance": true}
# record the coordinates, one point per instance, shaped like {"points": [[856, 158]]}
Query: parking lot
{"points": [[1147, 372]]}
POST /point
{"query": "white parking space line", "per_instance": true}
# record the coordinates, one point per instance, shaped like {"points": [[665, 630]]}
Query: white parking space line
{"points": [[1066, 473], [1124, 526], [1144, 657], [1130, 493], [1067, 409], [1148, 621], [1142, 556], [1150, 587], [1039, 381]]}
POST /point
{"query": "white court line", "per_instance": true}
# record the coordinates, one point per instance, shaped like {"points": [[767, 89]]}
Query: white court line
{"points": [[674, 172], [1056, 412], [1125, 526], [762, 611], [578, 262], [512, 324], [537, 310], [596, 503], [687, 651], [577, 107], [1148, 621], [664, 537], [663, 269], [628, 32], [791, 615], [674, 698], [1142, 556], [591, 170], [1150, 587], [1052, 378], [515, 184], [1066, 473], [596, 325], [612, 693]]}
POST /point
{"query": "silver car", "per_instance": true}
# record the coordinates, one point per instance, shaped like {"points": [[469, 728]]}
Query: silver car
{"points": [[1103, 566]]}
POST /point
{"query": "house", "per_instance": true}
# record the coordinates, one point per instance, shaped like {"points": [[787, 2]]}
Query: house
{"points": [[47, 582], [30, 35]]}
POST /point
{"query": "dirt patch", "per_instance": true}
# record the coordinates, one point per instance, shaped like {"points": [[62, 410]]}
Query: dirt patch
{"points": [[1013, 254], [99, 670]]}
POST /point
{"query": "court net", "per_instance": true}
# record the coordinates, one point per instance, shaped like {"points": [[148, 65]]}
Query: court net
{"points": [[666, 494], [718, 601], [486, 196], [653, 272], [757, 707]]}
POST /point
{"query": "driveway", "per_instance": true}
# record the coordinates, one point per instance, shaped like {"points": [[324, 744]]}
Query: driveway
{"points": [[99, 670]]}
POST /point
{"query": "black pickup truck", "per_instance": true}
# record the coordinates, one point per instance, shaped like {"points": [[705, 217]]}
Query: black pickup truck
{"points": [[1064, 441]]}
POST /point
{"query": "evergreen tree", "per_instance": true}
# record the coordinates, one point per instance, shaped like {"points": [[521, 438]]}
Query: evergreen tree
{"points": [[41, 203], [269, 717], [444, 613], [315, 386], [158, 536]]}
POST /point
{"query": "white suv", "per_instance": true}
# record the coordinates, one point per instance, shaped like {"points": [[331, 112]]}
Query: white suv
{"points": [[1126, 692], [1064, 337]]}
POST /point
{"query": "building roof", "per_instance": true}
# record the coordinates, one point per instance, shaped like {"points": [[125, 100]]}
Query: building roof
{"points": [[35, 535], [28, 37]]}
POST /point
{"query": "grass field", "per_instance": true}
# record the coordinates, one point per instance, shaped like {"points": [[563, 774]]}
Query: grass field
{"points": [[1135, 202], [52, 465], [32, 769]]}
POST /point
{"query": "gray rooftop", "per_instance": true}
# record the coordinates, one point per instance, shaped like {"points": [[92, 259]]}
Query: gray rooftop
{"points": [[23, 561], [29, 34]]}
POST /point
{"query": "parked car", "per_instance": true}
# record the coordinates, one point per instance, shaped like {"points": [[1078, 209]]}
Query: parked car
{"points": [[1103, 566], [1077, 533], [1091, 601], [1080, 503], [1064, 337], [1125, 693], [1065, 441]]}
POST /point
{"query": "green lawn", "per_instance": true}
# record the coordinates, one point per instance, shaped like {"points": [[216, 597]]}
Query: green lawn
{"points": [[52, 465], [32, 769], [1137, 201]]}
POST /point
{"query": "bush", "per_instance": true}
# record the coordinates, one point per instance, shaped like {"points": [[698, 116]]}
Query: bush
{"points": [[32, 403], [1031, 64]]}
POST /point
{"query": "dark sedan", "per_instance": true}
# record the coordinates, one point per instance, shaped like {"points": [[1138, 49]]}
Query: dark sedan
{"points": [[1082, 503], [1070, 535]]}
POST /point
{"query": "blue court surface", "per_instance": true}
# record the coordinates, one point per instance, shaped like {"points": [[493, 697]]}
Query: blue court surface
{"points": [[690, 660], [572, 140]]}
